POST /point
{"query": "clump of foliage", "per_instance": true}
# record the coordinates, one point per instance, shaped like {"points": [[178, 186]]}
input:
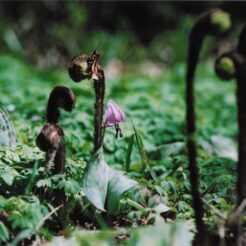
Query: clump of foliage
{"points": [[166, 175]]}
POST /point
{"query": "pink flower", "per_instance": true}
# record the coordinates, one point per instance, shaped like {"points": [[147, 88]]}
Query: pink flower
{"points": [[114, 115]]}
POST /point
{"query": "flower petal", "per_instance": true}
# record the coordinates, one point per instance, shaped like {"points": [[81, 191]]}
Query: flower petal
{"points": [[114, 114]]}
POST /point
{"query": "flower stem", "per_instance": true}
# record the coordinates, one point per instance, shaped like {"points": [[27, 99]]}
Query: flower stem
{"points": [[99, 87]]}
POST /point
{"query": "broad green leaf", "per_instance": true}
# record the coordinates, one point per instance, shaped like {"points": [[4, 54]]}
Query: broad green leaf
{"points": [[95, 180], [118, 184], [71, 187], [101, 182]]}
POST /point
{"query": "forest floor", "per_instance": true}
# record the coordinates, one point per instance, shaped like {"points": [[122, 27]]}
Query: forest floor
{"points": [[153, 102]]}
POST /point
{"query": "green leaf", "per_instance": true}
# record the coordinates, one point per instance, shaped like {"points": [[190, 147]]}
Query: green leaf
{"points": [[71, 187], [95, 180], [101, 182], [8, 174], [161, 208], [133, 204], [129, 153], [141, 149], [4, 233], [32, 178], [118, 184]]}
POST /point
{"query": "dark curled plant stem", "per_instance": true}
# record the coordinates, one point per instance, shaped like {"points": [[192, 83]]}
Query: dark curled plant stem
{"points": [[60, 97], [51, 138], [86, 67], [241, 114], [230, 65], [210, 23], [191, 129]]}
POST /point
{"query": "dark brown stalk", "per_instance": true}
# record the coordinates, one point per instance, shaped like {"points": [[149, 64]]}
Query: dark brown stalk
{"points": [[237, 69], [86, 67], [195, 43], [233, 65], [59, 168], [99, 86], [60, 157], [207, 24], [51, 138], [191, 130], [241, 105]]}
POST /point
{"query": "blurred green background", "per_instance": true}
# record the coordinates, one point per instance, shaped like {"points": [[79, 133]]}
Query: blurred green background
{"points": [[49, 33]]}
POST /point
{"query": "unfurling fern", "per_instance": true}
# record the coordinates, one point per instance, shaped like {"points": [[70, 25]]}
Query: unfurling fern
{"points": [[7, 133]]}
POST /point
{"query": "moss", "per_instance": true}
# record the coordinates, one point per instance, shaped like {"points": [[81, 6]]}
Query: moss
{"points": [[221, 20]]}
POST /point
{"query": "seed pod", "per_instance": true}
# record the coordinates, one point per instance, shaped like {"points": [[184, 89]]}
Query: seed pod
{"points": [[78, 68]]}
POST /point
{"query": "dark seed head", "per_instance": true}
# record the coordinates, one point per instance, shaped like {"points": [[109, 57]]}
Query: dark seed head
{"points": [[78, 68], [63, 97]]}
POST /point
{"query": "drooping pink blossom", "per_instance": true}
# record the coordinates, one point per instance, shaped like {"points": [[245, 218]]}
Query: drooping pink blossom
{"points": [[114, 114]]}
